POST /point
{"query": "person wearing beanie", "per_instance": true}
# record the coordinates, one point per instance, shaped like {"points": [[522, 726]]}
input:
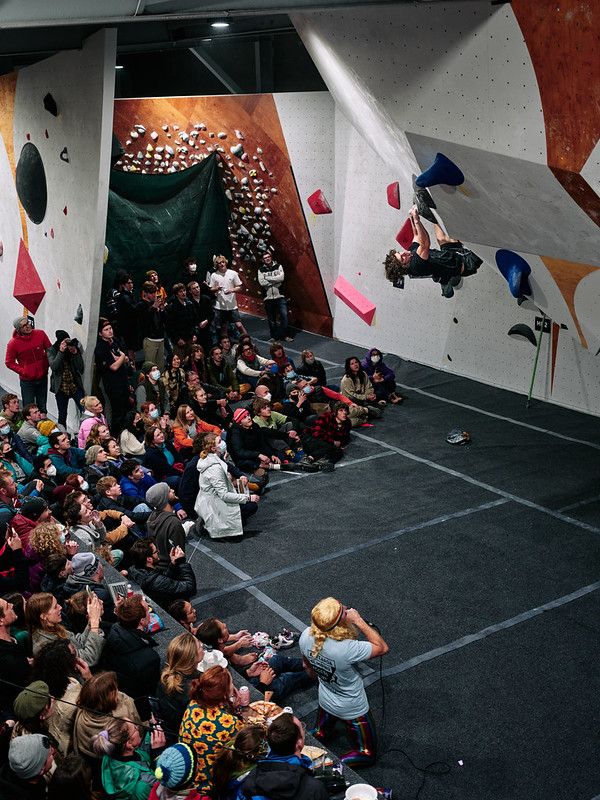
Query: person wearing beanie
{"points": [[174, 772], [87, 573], [66, 380], [163, 523], [32, 707], [33, 511], [26, 355], [30, 759]]}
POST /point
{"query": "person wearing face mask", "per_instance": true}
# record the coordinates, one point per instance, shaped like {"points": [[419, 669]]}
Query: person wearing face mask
{"points": [[27, 355], [19, 468], [382, 377], [7, 434], [151, 389], [45, 471]]}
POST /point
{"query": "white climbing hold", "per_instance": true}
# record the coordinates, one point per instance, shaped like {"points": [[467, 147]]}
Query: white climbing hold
{"points": [[154, 136], [239, 134]]}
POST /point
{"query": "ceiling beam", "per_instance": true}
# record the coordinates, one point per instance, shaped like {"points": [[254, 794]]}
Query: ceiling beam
{"points": [[217, 71]]}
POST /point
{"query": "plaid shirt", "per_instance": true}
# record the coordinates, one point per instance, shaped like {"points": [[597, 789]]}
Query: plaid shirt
{"points": [[327, 429]]}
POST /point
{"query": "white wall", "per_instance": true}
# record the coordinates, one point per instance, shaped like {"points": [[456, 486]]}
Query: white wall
{"points": [[409, 80], [70, 264]]}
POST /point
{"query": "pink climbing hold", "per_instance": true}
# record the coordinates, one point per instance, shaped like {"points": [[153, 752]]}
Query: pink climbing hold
{"points": [[350, 295], [393, 194], [405, 235], [318, 204]]}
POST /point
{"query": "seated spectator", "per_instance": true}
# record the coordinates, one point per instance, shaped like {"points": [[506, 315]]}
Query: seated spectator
{"points": [[185, 614], [59, 667], [11, 411], [33, 511], [110, 497], [14, 567], [44, 540], [28, 432], [18, 628], [330, 434], [8, 435], [186, 426], [97, 465], [382, 377], [221, 374], [130, 652], [32, 709], [281, 675], [14, 667], [57, 569], [176, 767], [43, 615], [66, 459], [151, 389], [234, 763], [279, 429], [20, 468], [135, 482], [248, 444], [356, 386], [24, 775], [71, 778], [45, 471], [196, 363], [10, 502], [212, 699], [164, 524], [178, 581], [127, 772], [214, 414], [250, 365], [298, 407], [87, 575], [214, 633], [312, 368], [93, 414], [173, 379], [99, 434], [160, 457], [132, 436], [284, 772], [222, 510], [87, 528], [184, 653], [100, 700], [115, 457], [229, 355]]}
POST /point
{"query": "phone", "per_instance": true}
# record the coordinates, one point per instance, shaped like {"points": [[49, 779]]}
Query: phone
{"points": [[171, 542], [89, 591]]}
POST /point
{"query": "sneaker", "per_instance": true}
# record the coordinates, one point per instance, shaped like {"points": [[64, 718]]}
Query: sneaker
{"points": [[260, 639], [281, 642], [289, 339], [448, 290], [324, 465], [382, 404]]}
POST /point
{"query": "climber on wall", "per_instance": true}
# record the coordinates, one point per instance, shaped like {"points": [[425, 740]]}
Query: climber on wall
{"points": [[446, 266]]}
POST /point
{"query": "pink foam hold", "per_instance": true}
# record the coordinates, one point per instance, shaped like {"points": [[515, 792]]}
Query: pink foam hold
{"points": [[405, 235], [354, 299], [393, 194], [318, 204]]}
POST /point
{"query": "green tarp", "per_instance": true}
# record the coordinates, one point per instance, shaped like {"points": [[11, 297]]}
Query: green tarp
{"points": [[157, 221]]}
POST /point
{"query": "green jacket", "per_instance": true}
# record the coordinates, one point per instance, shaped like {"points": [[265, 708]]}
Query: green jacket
{"points": [[275, 422], [129, 780]]}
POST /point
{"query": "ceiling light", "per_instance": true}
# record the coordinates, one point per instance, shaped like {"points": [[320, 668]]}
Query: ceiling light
{"points": [[119, 66], [219, 24]]}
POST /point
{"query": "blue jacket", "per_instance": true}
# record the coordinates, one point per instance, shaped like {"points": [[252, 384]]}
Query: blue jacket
{"points": [[75, 462], [137, 490]]}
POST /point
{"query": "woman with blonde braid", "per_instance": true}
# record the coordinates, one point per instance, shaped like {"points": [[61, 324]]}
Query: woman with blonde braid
{"points": [[331, 649], [184, 653]]}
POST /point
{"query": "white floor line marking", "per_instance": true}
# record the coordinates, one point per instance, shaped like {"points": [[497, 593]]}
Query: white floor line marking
{"points": [[340, 464], [580, 503], [350, 550], [482, 485], [464, 641]]}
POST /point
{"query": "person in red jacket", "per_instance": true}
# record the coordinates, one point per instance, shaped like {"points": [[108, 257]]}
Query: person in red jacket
{"points": [[26, 354]]}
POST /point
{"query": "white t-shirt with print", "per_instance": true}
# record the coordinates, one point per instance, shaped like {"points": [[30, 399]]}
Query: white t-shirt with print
{"points": [[225, 282]]}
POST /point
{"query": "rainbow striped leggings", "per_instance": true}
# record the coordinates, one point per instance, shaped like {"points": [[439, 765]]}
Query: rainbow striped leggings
{"points": [[360, 731]]}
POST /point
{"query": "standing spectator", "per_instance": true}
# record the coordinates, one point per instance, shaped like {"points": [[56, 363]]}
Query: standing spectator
{"points": [[125, 317], [112, 365], [271, 276], [66, 382], [151, 324], [26, 354], [225, 283], [180, 318], [161, 293], [203, 313]]}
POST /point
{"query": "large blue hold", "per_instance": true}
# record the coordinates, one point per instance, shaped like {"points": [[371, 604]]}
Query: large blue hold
{"points": [[516, 271], [441, 171]]}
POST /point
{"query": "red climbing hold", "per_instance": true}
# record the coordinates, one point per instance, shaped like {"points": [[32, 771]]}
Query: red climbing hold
{"points": [[28, 288], [393, 194], [405, 235], [318, 204], [65, 211]]}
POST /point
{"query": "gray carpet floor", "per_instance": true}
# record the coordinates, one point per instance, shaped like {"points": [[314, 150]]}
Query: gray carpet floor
{"points": [[478, 563]]}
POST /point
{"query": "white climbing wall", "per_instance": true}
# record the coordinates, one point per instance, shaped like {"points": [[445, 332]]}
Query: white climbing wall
{"points": [[66, 247], [409, 80]]}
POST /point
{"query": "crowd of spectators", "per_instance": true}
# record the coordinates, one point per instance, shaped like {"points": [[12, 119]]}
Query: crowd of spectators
{"points": [[180, 443]]}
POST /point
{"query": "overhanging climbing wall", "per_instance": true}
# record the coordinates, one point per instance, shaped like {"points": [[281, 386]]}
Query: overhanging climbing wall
{"points": [[469, 80]]}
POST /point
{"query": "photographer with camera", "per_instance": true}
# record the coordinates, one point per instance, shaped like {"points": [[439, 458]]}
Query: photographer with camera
{"points": [[66, 381]]}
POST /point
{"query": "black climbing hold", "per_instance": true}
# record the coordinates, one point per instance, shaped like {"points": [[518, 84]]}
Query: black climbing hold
{"points": [[31, 183], [50, 105]]}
